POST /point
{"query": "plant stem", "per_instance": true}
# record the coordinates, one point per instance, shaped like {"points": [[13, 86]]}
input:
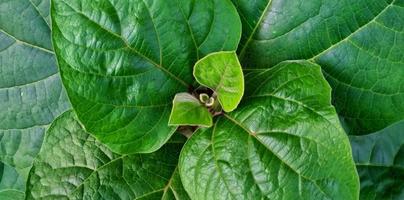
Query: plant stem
{"points": [[186, 131]]}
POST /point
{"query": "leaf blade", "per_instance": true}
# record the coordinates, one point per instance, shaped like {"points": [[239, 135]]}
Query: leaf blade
{"points": [[354, 54], [188, 111], [257, 151], [138, 51], [221, 71], [31, 93], [97, 172]]}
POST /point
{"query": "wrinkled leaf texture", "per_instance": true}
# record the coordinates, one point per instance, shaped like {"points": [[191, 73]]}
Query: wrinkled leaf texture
{"points": [[284, 141], [74, 165], [122, 61], [358, 43], [31, 93]]}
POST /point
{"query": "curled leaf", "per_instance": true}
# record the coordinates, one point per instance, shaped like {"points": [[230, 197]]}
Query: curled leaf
{"points": [[188, 111]]}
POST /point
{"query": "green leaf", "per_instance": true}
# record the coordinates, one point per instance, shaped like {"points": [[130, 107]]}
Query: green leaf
{"points": [[123, 61], [188, 111], [284, 141], [359, 46], [11, 194], [12, 184], [222, 73], [380, 163], [73, 165], [31, 93]]}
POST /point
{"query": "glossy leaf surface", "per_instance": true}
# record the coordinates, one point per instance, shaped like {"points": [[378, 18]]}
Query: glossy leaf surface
{"points": [[31, 93], [379, 159], [222, 73], [122, 61], [188, 111], [359, 45], [284, 141], [73, 165]]}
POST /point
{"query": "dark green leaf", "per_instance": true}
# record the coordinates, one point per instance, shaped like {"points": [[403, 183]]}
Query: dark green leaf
{"points": [[284, 141], [123, 61], [188, 111], [379, 159], [31, 93], [359, 45], [222, 73], [73, 165]]}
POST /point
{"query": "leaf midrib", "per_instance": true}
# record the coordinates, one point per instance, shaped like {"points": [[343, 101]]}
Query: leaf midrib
{"points": [[280, 159], [179, 80], [94, 171], [353, 33], [313, 58], [242, 52], [190, 30], [14, 190], [32, 82], [164, 189], [219, 170], [44, 126], [27, 43], [39, 13]]}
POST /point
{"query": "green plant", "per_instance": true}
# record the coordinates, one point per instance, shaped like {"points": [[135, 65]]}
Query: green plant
{"points": [[212, 99]]}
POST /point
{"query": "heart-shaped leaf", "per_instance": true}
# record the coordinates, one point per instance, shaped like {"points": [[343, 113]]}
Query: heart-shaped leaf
{"points": [[31, 93], [359, 45], [73, 165], [188, 111], [122, 61], [222, 73], [379, 159], [284, 141]]}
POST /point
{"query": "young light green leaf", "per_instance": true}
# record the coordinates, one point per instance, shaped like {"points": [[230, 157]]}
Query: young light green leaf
{"points": [[188, 111], [284, 141], [123, 61], [379, 160], [360, 51], [31, 93], [222, 73], [74, 165]]}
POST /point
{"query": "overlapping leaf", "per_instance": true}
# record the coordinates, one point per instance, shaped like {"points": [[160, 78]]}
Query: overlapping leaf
{"points": [[221, 72], [284, 141], [379, 159], [123, 61], [73, 165], [188, 111], [31, 93], [359, 45]]}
